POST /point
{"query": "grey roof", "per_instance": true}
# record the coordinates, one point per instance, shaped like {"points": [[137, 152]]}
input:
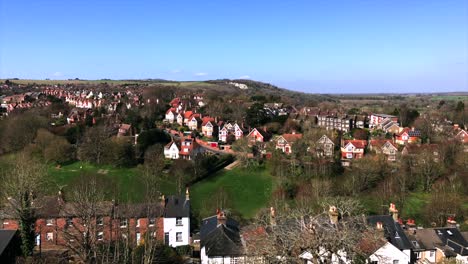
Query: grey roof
{"points": [[5, 238], [222, 239], [393, 231], [177, 206], [453, 240], [210, 223]]}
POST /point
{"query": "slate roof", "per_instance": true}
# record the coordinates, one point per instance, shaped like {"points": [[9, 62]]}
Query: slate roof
{"points": [[393, 231], [453, 240], [6, 236], [177, 206], [210, 223], [222, 239]]}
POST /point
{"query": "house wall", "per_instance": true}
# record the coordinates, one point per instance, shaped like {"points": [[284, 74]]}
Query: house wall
{"points": [[222, 260], [387, 254], [172, 228]]}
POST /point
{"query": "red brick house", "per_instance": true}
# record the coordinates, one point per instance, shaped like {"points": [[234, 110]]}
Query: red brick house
{"points": [[62, 223]]}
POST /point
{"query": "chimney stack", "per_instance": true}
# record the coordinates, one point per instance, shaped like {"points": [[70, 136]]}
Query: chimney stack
{"points": [[333, 214], [451, 223], [272, 216], [221, 217], [393, 211]]}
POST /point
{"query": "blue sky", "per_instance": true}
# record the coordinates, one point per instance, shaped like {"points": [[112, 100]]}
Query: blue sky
{"points": [[315, 46]]}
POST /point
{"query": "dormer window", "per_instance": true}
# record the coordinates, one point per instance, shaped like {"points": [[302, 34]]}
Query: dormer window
{"points": [[152, 221], [100, 221]]}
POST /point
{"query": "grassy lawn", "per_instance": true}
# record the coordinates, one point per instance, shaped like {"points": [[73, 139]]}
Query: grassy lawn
{"points": [[124, 181], [240, 190]]}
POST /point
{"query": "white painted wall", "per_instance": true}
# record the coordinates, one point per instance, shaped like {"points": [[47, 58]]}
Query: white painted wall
{"points": [[388, 253], [172, 152], [171, 228], [218, 260]]}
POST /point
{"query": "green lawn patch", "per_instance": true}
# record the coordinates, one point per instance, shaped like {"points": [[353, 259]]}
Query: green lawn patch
{"points": [[243, 191], [124, 181]]}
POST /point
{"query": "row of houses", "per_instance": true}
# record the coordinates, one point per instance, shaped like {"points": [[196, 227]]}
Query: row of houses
{"points": [[60, 223], [222, 240]]}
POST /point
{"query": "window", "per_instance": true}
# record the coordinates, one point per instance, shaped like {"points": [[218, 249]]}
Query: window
{"points": [[100, 221], [396, 261], [234, 260], [166, 238], [152, 221], [349, 155], [431, 253], [138, 222], [179, 237], [100, 236], [123, 222], [69, 221], [138, 238], [179, 221], [50, 222], [50, 236]]}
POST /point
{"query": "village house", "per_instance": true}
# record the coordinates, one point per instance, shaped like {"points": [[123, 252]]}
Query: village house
{"points": [[286, 141], [209, 126], [189, 148], [461, 136], [171, 150], [325, 147], [258, 135], [388, 125], [398, 249], [385, 147], [171, 115], [408, 135], [220, 240], [352, 149], [177, 220], [194, 121], [60, 222], [377, 119]]}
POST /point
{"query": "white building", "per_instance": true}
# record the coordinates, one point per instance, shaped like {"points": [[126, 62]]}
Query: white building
{"points": [[171, 151], [389, 254], [177, 220]]}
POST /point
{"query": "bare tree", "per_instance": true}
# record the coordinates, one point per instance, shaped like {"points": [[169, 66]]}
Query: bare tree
{"points": [[21, 184], [335, 232]]}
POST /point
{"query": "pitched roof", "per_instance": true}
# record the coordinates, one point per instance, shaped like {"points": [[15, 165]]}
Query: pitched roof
{"points": [[453, 240], [207, 119], [379, 143], [188, 114], [222, 239], [393, 231], [210, 223], [6, 236], [357, 143], [292, 137], [177, 206]]}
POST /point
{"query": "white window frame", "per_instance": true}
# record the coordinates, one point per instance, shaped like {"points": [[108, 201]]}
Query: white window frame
{"points": [[49, 236], [179, 221], [49, 222], [123, 223]]}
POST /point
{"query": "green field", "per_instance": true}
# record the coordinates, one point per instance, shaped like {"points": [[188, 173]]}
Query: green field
{"points": [[240, 190], [124, 181]]}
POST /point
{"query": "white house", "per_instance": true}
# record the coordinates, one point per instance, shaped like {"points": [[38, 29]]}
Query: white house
{"points": [[170, 115], [220, 241], [177, 220], [171, 151], [389, 254]]}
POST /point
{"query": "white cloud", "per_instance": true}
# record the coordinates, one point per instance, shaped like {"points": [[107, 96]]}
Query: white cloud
{"points": [[57, 74], [244, 77], [201, 74]]}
